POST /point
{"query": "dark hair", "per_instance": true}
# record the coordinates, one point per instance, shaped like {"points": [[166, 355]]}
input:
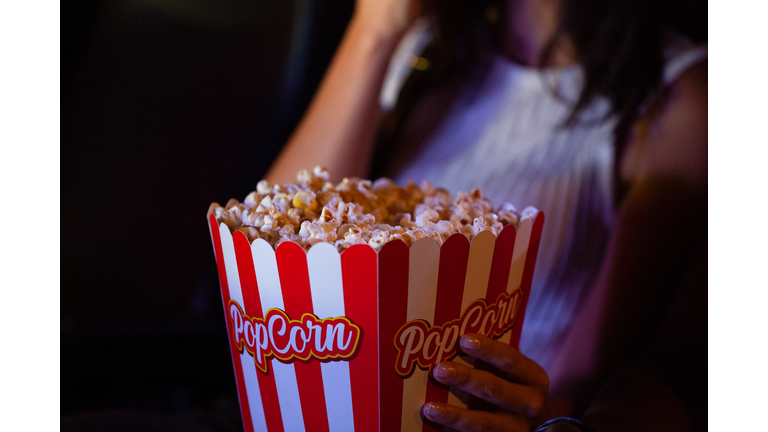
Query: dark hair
{"points": [[617, 42], [619, 45]]}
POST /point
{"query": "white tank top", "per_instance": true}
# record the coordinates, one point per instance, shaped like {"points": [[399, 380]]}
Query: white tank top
{"points": [[504, 135]]}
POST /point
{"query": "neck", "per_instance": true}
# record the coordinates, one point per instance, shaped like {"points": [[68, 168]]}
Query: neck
{"points": [[530, 26]]}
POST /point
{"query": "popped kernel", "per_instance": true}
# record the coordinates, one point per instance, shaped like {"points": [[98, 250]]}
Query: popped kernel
{"points": [[426, 217], [293, 217], [321, 173], [252, 200], [263, 187], [250, 232], [282, 202], [356, 211], [528, 213], [508, 214], [265, 205], [305, 200], [269, 223], [378, 239], [254, 219]]}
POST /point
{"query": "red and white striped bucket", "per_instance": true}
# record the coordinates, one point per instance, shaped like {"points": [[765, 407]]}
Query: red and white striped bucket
{"points": [[323, 341]]}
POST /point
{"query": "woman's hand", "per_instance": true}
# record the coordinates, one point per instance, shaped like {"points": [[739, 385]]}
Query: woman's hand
{"points": [[519, 389]]}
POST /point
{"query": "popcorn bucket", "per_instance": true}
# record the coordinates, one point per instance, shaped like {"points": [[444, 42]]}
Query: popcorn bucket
{"points": [[323, 341]]}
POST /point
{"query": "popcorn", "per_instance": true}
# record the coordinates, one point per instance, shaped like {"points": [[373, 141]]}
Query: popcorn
{"points": [[305, 200], [321, 173], [265, 205], [378, 238], [354, 211], [425, 216], [251, 233], [529, 213], [252, 199], [508, 214]]}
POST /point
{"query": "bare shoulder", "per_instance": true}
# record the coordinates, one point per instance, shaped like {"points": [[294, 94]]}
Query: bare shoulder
{"points": [[672, 140]]}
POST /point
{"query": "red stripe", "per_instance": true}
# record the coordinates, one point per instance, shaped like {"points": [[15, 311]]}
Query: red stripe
{"points": [[530, 264], [454, 256], [393, 312], [252, 307], [358, 265], [241, 394], [497, 284], [297, 297]]}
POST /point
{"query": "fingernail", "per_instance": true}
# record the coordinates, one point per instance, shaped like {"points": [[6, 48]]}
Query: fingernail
{"points": [[469, 342], [444, 370], [434, 410]]}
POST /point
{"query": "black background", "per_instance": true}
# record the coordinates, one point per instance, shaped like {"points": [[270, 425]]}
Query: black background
{"points": [[167, 106]]}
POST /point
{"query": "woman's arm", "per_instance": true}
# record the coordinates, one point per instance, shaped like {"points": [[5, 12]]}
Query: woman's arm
{"points": [[338, 128], [665, 389], [661, 229]]}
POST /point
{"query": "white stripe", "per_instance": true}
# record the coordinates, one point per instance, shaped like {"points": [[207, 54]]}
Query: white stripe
{"points": [[475, 287], [326, 285], [249, 367], [271, 296], [478, 268], [338, 396], [424, 263], [519, 255], [288, 395]]}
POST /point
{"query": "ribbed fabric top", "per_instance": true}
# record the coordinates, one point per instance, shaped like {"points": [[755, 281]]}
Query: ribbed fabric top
{"points": [[504, 134]]}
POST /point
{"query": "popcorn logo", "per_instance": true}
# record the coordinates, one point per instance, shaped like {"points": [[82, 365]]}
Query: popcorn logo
{"points": [[278, 336], [419, 343]]}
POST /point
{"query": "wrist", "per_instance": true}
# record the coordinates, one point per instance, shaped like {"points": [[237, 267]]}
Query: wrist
{"points": [[374, 47], [381, 32]]}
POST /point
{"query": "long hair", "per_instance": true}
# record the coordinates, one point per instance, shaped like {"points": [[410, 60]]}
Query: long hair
{"points": [[618, 44]]}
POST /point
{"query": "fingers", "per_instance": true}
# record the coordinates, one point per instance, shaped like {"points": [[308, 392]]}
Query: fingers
{"points": [[518, 386], [473, 421], [519, 399], [509, 361]]}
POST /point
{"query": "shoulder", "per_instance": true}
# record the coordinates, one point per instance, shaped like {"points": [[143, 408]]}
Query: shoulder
{"points": [[671, 140]]}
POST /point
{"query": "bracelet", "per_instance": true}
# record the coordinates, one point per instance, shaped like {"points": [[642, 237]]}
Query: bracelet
{"points": [[568, 420]]}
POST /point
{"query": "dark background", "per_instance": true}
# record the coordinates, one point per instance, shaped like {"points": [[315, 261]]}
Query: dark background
{"points": [[167, 106]]}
